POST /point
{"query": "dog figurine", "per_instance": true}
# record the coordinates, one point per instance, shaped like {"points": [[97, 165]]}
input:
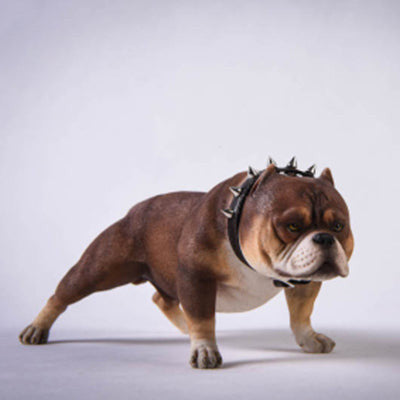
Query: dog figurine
{"points": [[280, 229]]}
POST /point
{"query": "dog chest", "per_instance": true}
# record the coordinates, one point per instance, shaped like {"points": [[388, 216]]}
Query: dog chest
{"points": [[244, 290]]}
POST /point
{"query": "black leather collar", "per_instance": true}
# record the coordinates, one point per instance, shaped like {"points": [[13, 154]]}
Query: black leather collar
{"points": [[234, 213], [234, 221]]}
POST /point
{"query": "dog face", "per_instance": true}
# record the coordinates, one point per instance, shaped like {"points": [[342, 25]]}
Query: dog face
{"points": [[295, 227]]}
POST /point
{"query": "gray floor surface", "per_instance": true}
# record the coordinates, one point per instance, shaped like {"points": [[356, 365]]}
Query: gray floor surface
{"points": [[258, 364]]}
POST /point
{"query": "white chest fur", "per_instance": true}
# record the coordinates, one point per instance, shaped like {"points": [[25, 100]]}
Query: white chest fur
{"points": [[245, 289]]}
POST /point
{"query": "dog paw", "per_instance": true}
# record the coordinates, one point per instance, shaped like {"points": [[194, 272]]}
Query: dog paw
{"points": [[317, 343], [34, 335], [205, 356]]}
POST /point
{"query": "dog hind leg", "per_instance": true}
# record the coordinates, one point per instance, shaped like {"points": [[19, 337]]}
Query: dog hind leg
{"points": [[106, 264], [38, 331]]}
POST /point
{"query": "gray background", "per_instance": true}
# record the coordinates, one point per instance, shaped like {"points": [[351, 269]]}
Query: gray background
{"points": [[103, 104]]}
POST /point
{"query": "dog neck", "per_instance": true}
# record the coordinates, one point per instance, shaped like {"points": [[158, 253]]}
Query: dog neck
{"points": [[234, 213]]}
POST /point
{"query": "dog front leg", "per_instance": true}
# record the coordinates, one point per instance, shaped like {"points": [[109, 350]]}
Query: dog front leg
{"points": [[197, 296], [300, 300]]}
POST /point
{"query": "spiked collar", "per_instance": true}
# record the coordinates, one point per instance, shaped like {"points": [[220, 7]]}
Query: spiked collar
{"points": [[234, 212]]}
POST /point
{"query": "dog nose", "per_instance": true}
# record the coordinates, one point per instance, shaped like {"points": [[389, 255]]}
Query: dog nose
{"points": [[324, 239]]}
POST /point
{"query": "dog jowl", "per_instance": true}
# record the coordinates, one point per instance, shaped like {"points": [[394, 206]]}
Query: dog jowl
{"points": [[279, 229]]}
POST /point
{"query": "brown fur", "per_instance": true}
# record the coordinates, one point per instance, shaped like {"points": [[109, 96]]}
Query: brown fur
{"points": [[174, 241]]}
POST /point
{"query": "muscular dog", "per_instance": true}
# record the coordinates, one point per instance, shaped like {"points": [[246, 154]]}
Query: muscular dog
{"points": [[280, 229]]}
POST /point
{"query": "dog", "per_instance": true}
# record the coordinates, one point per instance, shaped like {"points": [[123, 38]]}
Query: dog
{"points": [[279, 229]]}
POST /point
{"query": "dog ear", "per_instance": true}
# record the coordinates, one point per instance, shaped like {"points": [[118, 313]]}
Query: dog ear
{"points": [[326, 175], [269, 171]]}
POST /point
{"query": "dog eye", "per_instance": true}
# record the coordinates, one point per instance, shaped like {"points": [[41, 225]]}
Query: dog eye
{"points": [[293, 227], [337, 226]]}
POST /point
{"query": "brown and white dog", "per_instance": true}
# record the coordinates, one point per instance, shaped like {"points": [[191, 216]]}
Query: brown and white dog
{"points": [[294, 233]]}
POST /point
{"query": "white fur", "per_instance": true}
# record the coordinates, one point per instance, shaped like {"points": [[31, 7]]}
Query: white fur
{"points": [[246, 289], [306, 257], [207, 343]]}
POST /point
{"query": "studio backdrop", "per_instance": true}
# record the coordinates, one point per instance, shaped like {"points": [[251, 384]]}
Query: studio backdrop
{"points": [[104, 104]]}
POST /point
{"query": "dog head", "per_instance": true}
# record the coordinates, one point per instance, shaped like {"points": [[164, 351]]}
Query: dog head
{"points": [[296, 227]]}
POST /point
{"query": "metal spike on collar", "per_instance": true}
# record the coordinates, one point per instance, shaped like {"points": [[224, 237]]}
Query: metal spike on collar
{"points": [[271, 161], [235, 190], [312, 169], [292, 163], [291, 169], [252, 172], [228, 212]]}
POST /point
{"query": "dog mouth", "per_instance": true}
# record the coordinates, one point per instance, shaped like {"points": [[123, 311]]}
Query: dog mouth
{"points": [[327, 270], [327, 267]]}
